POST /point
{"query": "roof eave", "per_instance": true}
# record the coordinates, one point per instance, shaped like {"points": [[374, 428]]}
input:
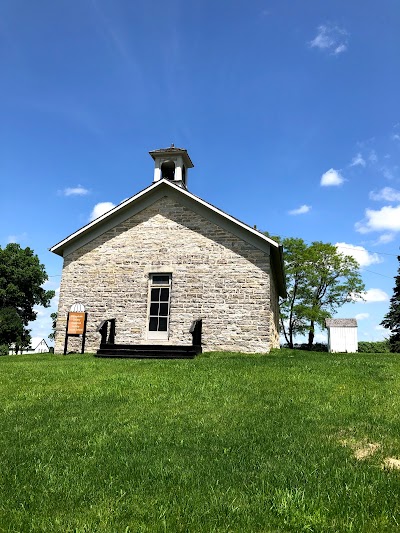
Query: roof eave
{"points": [[170, 151]]}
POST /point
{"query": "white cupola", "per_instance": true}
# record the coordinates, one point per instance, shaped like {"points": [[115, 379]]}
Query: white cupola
{"points": [[171, 164]]}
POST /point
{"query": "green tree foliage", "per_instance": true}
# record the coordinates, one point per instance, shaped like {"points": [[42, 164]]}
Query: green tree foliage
{"points": [[3, 349], [21, 280], [11, 326], [392, 318], [319, 280], [52, 335]]}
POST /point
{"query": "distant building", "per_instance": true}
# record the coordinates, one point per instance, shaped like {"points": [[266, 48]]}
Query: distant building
{"points": [[342, 335], [164, 258], [42, 347]]}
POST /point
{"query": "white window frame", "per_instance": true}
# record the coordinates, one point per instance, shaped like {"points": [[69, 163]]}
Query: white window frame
{"points": [[159, 335]]}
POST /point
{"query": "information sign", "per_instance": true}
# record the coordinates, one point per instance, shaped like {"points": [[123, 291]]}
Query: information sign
{"points": [[76, 324]]}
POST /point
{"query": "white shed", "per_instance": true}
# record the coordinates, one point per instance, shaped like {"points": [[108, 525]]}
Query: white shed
{"points": [[342, 335]]}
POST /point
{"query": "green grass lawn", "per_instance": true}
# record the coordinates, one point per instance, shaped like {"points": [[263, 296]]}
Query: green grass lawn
{"points": [[291, 441]]}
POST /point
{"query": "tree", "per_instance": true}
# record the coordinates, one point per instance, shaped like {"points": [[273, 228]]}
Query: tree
{"points": [[21, 279], [333, 280], [319, 280], [292, 311], [52, 335], [392, 319]]}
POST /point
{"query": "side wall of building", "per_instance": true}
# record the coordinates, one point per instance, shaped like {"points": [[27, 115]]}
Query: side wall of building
{"points": [[274, 313], [215, 276]]}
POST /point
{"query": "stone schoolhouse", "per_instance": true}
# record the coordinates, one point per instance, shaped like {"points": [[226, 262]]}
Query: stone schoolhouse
{"points": [[164, 258]]}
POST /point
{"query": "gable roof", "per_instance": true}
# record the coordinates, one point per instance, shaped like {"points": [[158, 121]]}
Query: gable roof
{"points": [[39, 343], [341, 323], [154, 192]]}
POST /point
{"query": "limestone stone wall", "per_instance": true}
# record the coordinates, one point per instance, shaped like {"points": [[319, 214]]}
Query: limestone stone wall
{"points": [[274, 315], [215, 276]]}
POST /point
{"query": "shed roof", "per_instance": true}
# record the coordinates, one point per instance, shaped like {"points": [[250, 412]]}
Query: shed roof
{"points": [[341, 323]]}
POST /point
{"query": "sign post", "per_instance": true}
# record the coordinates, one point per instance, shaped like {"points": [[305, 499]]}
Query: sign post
{"points": [[76, 326]]}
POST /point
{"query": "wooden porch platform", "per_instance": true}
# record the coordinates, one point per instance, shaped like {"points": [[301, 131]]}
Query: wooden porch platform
{"points": [[148, 351]]}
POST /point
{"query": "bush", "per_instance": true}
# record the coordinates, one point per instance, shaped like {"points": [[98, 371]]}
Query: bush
{"points": [[374, 347], [3, 349], [317, 347]]}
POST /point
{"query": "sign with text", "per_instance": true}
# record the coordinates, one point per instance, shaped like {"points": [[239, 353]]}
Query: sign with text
{"points": [[76, 323]]}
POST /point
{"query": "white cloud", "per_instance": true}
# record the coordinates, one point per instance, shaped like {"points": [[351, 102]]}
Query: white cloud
{"points": [[300, 210], [396, 137], [360, 254], [375, 333], [372, 156], [358, 160], [387, 173], [385, 219], [99, 209], [330, 39], [387, 194], [17, 238], [371, 296], [385, 238], [339, 49], [331, 177], [323, 39], [54, 301], [362, 316], [75, 191]]}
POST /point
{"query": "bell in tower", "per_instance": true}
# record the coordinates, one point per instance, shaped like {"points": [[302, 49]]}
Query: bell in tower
{"points": [[171, 164]]}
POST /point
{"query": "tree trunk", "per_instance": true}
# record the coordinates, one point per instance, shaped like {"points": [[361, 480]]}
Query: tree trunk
{"points": [[311, 335], [285, 333], [291, 339]]}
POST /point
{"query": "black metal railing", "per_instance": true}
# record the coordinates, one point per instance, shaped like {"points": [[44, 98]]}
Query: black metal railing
{"points": [[195, 330], [107, 336]]}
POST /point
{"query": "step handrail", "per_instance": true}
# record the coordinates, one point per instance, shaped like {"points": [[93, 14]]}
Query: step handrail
{"points": [[195, 330], [103, 330]]}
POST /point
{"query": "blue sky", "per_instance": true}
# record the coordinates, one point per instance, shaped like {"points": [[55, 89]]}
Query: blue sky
{"points": [[289, 111]]}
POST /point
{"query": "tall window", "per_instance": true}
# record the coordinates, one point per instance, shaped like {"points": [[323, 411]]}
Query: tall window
{"points": [[159, 304]]}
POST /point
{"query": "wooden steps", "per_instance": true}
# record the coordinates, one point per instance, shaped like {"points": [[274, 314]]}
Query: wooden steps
{"points": [[148, 351]]}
